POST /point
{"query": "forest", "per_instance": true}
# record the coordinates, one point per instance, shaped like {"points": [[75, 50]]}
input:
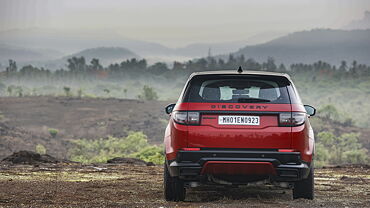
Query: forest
{"points": [[345, 86]]}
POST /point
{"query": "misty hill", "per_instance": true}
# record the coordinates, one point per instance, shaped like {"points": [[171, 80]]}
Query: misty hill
{"points": [[215, 48], [26, 55], [106, 55], [69, 41], [202, 49], [309, 46], [363, 23]]}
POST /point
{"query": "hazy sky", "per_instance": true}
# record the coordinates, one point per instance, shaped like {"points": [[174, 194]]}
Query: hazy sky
{"points": [[176, 23]]}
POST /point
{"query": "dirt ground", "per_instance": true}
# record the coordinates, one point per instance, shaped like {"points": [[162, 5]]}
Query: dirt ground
{"points": [[24, 121], [107, 185]]}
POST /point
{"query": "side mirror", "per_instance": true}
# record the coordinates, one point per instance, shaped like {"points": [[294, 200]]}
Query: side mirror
{"points": [[311, 111], [169, 108]]}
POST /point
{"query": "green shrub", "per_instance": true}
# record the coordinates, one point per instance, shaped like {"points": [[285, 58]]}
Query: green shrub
{"points": [[148, 93], [322, 155], [100, 150], [20, 91], [53, 132], [34, 92], [356, 156], [79, 93], [125, 93], [336, 150], [67, 91], [17, 90], [107, 91], [90, 95], [10, 90], [152, 154], [2, 88], [40, 149], [329, 112]]}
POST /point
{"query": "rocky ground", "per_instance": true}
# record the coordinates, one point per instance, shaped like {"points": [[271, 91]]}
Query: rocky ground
{"points": [[117, 185]]}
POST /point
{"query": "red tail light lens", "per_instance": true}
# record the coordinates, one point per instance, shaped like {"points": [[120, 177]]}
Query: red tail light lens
{"points": [[285, 150], [292, 119], [191, 149], [186, 118]]}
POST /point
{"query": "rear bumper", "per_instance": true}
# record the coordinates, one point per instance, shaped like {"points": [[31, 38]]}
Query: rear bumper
{"points": [[285, 166]]}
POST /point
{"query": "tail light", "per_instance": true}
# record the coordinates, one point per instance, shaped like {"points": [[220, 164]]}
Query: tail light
{"points": [[191, 148], [187, 118], [292, 119], [285, 150]]}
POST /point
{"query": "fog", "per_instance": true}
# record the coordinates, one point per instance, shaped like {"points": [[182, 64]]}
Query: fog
{"points": [[88, 81], [178, 23]]}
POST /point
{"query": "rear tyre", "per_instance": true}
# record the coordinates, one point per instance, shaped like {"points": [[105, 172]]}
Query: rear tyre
{"points": [[174, 189], [305, 188]]}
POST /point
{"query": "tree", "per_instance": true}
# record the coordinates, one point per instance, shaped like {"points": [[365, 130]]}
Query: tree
{"points": [[354, 69], [231, 62], [76, 64], [12, 68], [67, 91], [270, 65], [158, 68], [95, 65], [251, 64], [177, 66], [343, 66], [282, 68], [148, 93], [212, 63]]}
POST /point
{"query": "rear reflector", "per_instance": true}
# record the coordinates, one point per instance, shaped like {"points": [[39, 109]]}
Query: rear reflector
{"points": [[286, 150], [191, 149]]}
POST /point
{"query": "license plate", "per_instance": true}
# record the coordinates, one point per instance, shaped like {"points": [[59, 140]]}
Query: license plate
{"points": [[239, 120]]}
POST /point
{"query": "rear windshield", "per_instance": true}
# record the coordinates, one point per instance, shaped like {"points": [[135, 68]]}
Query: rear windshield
{"points": [[237, 89]]}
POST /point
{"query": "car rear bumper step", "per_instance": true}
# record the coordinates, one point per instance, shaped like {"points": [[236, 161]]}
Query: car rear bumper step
{"points": [[287, 166]]}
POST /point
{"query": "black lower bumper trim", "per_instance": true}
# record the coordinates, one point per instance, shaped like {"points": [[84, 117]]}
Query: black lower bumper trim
{"points": [[288, 165]]}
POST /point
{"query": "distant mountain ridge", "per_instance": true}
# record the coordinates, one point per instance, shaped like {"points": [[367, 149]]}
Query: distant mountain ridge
{"points": [[106, 55], [310, 46], [70, 41], [328, 45], [26, 55], [363, 23]]}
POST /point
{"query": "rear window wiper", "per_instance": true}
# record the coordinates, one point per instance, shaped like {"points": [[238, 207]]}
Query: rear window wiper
{"points": [[253, 100]]}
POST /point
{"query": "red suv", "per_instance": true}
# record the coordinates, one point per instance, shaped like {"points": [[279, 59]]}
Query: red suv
{"points": [[235, 128]]}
